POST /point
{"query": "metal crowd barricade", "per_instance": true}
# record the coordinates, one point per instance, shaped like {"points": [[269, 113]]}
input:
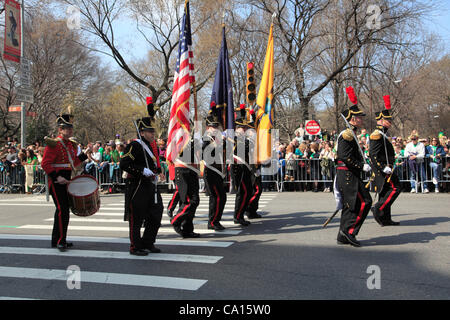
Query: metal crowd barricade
{"points": [[270, 175], [284, 174], [112, 179], [419, 173], [299, 174], [12, 179]]}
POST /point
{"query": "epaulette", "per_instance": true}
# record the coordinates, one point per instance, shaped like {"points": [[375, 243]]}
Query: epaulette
{"points": [[128, 154], [50, 142], [74, 142], [376, 135], [348, 135]]}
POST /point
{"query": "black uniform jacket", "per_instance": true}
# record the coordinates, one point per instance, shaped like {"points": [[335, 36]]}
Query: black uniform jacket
{"points": [[210, 146], [377, 153], [133, 163], [350, 158]]}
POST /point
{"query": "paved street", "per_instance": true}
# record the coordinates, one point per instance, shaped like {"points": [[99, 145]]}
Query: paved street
{"points": [[285, 255]]}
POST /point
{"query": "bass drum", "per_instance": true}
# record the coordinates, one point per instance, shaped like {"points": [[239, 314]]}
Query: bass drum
{"points": [[84, 197]]}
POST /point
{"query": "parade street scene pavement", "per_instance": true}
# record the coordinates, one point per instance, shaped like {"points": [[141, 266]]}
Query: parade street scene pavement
{"points": [[285, 255]]}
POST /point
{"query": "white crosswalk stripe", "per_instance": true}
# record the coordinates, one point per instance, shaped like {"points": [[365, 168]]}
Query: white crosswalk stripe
{"points": [[110, 216], [105, 278], [29, 257], [167, 242], [46, 272], [110, 255], [122, 229]]}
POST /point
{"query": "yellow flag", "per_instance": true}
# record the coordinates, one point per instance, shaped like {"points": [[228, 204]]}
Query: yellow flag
{"points": [[264, 114]]}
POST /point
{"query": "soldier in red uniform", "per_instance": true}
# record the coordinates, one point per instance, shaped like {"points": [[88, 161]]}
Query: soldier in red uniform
{"points": [[61, 156]]}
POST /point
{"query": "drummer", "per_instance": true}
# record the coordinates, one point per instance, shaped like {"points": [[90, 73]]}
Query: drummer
{"points": [[61, 156]]}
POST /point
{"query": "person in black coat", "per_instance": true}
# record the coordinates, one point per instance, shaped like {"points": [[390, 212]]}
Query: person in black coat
{"points": [[351, 164], [382, 155], [214, 168], [143, 202]]}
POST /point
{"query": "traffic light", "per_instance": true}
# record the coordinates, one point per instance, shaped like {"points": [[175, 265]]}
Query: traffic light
{"points": [[251, 87]]}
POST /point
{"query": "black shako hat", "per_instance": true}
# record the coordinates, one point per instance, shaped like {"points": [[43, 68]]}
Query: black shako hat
{"points": [[147, 123], [353, 110], [385, 114]]}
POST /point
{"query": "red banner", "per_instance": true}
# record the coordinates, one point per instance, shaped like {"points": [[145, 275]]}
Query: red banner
{"points": [[13, 31]]}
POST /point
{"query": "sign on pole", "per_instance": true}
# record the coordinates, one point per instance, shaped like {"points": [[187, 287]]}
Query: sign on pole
{"points": [[312, 127], [12, 49], [25, 92]]}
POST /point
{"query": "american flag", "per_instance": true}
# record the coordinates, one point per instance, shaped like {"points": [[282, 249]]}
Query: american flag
{"points": [[179, 126]]}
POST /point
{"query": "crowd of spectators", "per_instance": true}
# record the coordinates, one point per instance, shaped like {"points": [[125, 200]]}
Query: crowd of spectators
{"points": [[20, 167], [305, 163]]}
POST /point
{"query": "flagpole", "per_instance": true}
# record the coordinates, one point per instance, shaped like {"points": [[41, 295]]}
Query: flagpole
{"points": [[194, 87]]}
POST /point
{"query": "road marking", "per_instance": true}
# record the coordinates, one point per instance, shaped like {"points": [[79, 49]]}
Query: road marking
{"points": [[105, 278], [111, 255], [163, 221], [15, 298], [125, 229], [184, 242], [27, 204]]}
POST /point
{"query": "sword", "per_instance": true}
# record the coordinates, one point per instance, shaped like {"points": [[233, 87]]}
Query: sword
{"points": [[330, 218]]}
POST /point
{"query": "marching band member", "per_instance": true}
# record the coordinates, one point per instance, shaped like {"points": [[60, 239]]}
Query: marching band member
{"points": [[213, 158], [382, 154], [356, 198], [143, 201], [187, 182], [61, 156], [240, 169]]}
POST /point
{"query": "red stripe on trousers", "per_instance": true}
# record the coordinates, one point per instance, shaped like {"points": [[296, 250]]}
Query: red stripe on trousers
{"points": [[243, 202], [131, 228], [173, 198], [256, 193], [363, 204], [58, 206], [182, 212], [394, 190], [217, 205]]}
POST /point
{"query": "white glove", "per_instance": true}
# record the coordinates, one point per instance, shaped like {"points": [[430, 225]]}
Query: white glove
{"points": [[367, 168], [387, 170], [78, 151], [62, 180], [147, 172]]}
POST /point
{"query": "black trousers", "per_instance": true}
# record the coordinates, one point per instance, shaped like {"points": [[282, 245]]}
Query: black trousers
{"points": [[188, 188], [353, 218], [174, 201], [389, 193], [253, 203], [217, 195], [243, 184], [61, 219], [144, 210]]}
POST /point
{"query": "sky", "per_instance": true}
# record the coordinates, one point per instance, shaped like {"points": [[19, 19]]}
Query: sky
{"points": [[438, 23]]}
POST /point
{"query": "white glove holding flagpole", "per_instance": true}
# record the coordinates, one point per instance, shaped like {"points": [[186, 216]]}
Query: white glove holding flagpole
{"points": [[148, 173], [387, 170]]}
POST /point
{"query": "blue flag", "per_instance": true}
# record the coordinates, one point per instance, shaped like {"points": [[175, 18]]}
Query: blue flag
{"points": [[222, 92]]}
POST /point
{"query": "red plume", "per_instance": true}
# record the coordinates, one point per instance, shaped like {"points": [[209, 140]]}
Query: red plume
{"points": [[149, 100], [387, 102], [252, 111], [242, 106], [213, 104], [351, 95]]}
